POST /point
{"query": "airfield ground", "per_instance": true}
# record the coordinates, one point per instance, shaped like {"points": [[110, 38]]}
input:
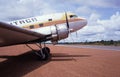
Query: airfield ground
{"points": [[20, 61]]}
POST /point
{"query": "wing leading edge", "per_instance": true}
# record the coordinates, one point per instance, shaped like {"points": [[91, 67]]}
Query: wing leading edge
{"points": [[11, 35]]}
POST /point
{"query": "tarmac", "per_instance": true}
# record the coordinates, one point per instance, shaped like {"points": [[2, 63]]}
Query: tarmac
{"points": [[65, 61]]}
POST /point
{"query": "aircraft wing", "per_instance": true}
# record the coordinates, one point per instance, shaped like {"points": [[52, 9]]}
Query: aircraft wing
{"points": [[11, 35]]}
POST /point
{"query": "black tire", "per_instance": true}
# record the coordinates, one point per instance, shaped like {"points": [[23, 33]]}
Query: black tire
{"points": [[39, 55], [46, 51]]}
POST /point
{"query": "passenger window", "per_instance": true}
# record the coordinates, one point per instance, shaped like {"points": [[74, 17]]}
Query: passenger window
{"points": [[32, 26], [41, 25]]}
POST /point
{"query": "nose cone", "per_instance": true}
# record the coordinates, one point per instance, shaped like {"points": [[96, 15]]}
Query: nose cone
{"points": [[78, 24]]}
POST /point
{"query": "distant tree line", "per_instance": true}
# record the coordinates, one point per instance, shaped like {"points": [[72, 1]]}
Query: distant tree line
{"points": [[102, 42]]}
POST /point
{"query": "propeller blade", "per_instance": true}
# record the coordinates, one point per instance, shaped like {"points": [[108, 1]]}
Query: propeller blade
{"points": [[76, 34], [67, 22]]}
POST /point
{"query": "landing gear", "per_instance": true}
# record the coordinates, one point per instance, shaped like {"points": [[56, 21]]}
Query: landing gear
{"points": [[43, 53]]}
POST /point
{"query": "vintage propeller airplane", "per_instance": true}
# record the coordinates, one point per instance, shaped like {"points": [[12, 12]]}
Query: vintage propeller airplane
{"points": [[52, 27]]}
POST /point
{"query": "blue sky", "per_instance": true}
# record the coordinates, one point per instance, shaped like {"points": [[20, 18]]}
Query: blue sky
{"points": [[103, 15]]}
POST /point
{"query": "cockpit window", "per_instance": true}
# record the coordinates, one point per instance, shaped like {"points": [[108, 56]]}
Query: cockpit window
{"points": [[73, 16]]}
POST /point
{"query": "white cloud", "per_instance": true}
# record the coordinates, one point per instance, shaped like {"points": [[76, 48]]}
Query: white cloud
{"points": [[102, 29], [24, 8], [100, 3], [27, 8], [85, 10], [93, 19], [113, 23]]}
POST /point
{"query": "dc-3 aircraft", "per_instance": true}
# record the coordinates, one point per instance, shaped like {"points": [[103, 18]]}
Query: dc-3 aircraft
{"points": [[52, 27]]}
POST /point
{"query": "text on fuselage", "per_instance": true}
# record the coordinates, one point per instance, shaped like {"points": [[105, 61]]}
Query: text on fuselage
{"points": [[24, 21]]}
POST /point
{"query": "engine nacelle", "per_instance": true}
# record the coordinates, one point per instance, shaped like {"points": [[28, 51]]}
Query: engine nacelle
{"points": [[59, 32]]}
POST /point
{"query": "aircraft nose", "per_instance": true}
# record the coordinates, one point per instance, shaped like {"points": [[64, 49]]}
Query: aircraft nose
{"points": [[78, 24]]}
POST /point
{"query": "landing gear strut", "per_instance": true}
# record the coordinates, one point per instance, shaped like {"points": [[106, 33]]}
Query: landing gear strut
{"points": [[43, 53]]}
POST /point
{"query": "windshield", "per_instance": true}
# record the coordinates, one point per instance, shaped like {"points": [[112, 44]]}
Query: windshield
{"points": [[73, 16]]}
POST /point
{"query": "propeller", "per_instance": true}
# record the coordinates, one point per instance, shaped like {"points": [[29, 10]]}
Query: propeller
{"points": [[67, 22], [68, 27], [76, 34]]}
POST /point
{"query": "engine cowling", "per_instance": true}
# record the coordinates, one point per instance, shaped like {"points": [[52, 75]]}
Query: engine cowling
{"points": [[59, 32]]}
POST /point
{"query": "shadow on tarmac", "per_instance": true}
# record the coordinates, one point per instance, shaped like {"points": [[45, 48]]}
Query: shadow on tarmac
{"points": [[18, 66]]}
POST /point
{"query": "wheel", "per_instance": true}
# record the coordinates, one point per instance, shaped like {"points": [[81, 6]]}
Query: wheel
{"points": [[44, 54], [46, 49]]}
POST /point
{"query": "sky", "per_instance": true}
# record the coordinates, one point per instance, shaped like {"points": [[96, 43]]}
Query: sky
{"points": [[103, 16]]}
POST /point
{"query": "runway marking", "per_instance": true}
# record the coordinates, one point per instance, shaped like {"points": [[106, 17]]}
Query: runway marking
{"points": [[115, 48]]}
